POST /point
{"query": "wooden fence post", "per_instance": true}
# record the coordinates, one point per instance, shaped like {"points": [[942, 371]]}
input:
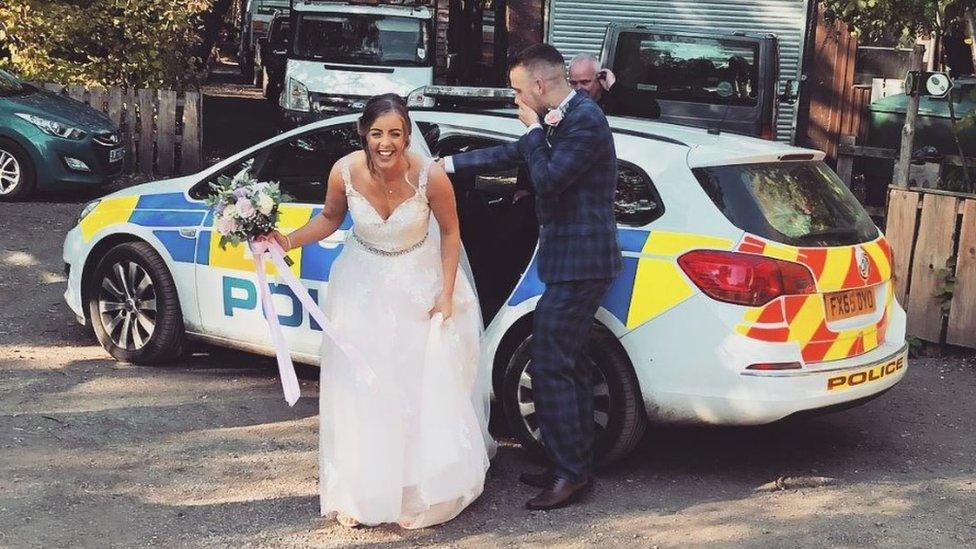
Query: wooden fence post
{"points": [[96, 99], [146, 138], [190, 149], [77, 92], [166, 132], [900, 178], [932, 251], [962, 311]]}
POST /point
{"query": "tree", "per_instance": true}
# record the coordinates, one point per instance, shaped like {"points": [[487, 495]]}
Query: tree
{"points": [[900, 19], [132, 43]]}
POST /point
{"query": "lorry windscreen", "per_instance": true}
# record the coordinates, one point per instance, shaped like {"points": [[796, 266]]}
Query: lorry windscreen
{"points": [[708, 70], [363, 39]]}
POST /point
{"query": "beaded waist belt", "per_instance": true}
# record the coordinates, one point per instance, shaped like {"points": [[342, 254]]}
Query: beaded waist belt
{"points": [[379, 251]]}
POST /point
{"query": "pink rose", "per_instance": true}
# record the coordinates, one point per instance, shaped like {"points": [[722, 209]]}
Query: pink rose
{"points": [[245, 207], [553, 117], [226, 225]]}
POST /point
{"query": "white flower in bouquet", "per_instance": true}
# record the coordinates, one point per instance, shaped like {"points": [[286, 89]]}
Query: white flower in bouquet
{"points": [[265, 204], [230, 210], [245, 208]]}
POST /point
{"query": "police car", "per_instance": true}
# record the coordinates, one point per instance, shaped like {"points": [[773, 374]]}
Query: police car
{"points": [[754, 285]]}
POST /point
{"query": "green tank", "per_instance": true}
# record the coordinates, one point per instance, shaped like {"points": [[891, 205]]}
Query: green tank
{"points": [[934, 126]]}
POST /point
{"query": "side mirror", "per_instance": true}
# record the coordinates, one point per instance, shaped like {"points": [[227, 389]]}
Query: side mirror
{"points": [[789, 95]]}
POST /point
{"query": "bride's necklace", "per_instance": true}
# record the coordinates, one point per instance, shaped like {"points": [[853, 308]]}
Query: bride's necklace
{"points": [[389, 191]]}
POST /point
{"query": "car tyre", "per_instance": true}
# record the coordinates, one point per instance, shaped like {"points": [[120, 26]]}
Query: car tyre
{"points": [[134, 307], [18, 178], [618, 406]]}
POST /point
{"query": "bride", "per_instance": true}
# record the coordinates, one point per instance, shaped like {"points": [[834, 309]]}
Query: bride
{"points": [[411, 447]]}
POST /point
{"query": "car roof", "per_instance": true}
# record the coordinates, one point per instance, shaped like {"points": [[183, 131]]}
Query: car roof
{"points": [[705, 148]]}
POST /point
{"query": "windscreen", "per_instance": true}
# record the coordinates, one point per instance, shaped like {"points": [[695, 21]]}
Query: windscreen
{"points": [[687, 68], [363, 39]]}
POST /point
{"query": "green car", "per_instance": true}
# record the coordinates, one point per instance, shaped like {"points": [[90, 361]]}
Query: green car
{"points": [[48, 141]]}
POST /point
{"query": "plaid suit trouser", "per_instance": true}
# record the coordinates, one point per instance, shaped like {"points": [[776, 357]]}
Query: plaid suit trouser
{"points": [[562, 381]]}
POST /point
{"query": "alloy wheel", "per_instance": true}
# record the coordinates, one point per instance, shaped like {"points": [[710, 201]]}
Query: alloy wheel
{"points": [[127, 305], [601, 402], [10, 172]]}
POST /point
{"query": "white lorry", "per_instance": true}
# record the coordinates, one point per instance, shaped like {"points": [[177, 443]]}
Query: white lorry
{"points": [[343, 53], [255, 21]]}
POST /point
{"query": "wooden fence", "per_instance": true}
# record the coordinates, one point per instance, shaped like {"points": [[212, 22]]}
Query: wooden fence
{"points": [[161, 129], [933, 239]]}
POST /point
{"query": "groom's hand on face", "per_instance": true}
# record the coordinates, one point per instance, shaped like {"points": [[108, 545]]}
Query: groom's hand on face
{"points": [[527, 115]]}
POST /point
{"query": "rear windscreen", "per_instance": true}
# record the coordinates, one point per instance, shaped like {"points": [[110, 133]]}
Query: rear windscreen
{"points": [[796, 203], [686, 68]]}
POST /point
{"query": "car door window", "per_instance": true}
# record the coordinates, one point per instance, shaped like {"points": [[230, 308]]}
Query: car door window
{"points": [[637, 201], [301, 165]]}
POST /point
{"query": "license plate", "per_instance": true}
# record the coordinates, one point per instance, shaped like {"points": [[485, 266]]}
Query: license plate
{"points": [[850, 303], [116, 154]]}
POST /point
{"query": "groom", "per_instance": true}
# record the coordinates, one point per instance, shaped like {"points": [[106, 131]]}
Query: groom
{"points": [[573, 168]]}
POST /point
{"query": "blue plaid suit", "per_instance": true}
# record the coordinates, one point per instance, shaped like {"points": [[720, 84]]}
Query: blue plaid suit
{"points": [[574, 173]]}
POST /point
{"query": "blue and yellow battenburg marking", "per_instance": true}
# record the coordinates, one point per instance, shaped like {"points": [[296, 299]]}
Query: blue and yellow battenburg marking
{"points": [[650, 283], [167, 213]]}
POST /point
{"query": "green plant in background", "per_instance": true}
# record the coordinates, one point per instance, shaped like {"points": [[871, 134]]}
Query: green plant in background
{"points": [[130, 43], [947, 285]]}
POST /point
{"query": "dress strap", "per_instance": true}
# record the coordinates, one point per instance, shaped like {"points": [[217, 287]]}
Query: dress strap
{"points": [[346, 177], [422, 182]]}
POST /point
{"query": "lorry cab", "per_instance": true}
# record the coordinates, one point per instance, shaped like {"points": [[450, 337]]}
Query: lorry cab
{"points": [[717, 80], [341, 54]]}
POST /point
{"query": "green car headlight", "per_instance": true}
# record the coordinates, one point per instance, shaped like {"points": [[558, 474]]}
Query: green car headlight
{"points": [[51, 127]]}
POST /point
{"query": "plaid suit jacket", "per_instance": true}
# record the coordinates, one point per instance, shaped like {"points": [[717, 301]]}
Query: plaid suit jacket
{"points": [[574, 174]]}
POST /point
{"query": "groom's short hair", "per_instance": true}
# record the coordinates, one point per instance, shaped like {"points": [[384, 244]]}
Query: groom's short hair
{"points": [[538, 56]]}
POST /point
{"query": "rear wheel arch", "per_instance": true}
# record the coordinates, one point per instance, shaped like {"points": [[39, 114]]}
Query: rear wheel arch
{"points": [[626, 416]]}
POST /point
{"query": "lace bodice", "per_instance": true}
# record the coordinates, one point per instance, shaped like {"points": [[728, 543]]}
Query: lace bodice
{"points": [[407, 224]]}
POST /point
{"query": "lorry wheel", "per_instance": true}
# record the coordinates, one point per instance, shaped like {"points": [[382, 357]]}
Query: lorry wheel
{"points": [[618, 410], [133, 305]]}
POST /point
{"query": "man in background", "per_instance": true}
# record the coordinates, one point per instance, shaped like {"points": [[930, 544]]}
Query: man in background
{"points": [[585, 75]]}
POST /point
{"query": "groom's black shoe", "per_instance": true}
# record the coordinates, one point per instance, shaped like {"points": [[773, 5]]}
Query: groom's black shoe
{"points": [[538, 480], [559, 493]]}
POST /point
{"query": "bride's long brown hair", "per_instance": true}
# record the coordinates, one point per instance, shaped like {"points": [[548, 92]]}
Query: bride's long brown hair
{"points": [[377, 106]]}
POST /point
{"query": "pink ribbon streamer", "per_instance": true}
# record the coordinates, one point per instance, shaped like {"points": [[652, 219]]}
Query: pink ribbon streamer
{"points": [[286, 369]]}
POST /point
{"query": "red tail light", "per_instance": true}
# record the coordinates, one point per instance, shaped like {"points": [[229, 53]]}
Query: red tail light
{"points": [[745, 279], [767, 131]]}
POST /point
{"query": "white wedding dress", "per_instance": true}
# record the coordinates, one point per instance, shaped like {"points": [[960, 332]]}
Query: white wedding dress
{"points": [[411, 447]]}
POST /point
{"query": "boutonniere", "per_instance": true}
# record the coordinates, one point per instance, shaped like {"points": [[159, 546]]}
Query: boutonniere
{"points": [[553, 117]]}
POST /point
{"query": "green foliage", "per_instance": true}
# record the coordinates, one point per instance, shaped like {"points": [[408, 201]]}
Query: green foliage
{"points": [[898, 19], [947, 285], [132, 43]]}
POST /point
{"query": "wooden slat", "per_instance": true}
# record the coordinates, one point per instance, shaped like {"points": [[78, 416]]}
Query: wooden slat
{"points": [[900, 232], [115, 106], [190, 148], [76, 92], [845, 163], [56, 88], [96, 99], [165, 131], [129, 131], [962, 314], [146, 137], [932, 251]]}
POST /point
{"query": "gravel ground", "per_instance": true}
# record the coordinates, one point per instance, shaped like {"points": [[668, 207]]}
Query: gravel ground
{"points": [[204, 452]]}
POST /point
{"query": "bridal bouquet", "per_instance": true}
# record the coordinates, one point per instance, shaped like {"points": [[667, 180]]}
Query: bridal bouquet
{"points": [[243, 207]]}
